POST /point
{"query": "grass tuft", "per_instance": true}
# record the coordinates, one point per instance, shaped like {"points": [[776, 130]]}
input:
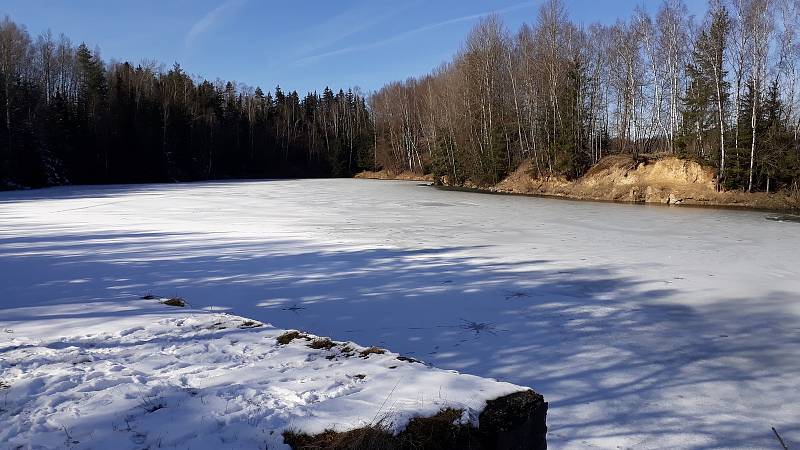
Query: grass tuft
{"points": [[322, 343], [371, 351], [250, 324], [289, 336], [175, 301]]}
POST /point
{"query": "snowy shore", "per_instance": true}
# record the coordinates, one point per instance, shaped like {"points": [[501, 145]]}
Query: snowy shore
{"points": [[210, 380]]}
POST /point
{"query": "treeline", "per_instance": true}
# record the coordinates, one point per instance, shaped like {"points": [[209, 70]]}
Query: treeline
{"points": [[70, 117], [722, 89]]}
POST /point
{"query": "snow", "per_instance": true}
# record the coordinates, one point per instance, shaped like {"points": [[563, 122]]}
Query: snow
{"points": [[212, 380], [644, 327]]}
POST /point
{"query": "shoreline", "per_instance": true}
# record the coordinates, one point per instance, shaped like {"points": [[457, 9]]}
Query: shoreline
{"points": [[743, 201], [732, 207]]}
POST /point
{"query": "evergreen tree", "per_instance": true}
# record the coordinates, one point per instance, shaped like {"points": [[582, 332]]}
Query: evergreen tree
{"points": [[120, 123], [707, 94]]}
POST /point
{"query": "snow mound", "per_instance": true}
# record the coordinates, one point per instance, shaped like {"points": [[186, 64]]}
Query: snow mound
{"points": [[208, 380]]}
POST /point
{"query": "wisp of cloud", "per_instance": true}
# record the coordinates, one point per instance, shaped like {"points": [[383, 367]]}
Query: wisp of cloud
{"points": [[212, 18]]}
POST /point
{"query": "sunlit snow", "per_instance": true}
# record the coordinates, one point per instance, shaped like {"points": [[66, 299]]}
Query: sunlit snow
{"points": [[644, 327]]}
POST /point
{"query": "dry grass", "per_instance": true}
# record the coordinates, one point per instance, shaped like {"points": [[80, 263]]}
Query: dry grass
{"points": [[438, 432], [793, 198], [175, 301], [391, 175], [367, 438], [289, 336], [371, 351], [322, 343]]}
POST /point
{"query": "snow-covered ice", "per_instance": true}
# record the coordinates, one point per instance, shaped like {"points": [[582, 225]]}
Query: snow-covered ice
{"points": [[644, 327], [213, 381]]}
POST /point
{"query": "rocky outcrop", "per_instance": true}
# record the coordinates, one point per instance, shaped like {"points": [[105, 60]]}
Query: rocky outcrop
{"points": [[512, 422]]}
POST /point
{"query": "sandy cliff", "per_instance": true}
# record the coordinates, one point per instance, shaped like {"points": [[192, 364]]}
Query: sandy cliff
{"points": [[667, 180]]}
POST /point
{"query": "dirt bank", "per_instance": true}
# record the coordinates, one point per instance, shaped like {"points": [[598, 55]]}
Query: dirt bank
{"points": [[621, 178], [389, 175], [667, 180], [516, 421]]}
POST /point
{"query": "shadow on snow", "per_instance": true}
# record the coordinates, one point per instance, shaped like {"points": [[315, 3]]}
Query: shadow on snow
{"points": [[578, 336]]}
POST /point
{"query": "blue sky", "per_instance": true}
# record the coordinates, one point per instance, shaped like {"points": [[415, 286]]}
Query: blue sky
{"points": [[302, 45]]}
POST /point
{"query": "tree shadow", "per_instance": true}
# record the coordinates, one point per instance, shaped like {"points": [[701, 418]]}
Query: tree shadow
{"points": [[616, 357], [103, 191]]}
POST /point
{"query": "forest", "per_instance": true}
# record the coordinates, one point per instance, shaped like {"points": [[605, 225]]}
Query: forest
{"points": [[721, 89], [556, 95], [71, 118]]}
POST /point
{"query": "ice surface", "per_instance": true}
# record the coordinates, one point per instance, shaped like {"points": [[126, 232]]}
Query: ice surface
{"points": [[644, 327]]}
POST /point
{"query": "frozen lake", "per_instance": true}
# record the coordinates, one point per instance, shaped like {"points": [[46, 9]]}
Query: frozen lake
{"points": [[644, 327]]}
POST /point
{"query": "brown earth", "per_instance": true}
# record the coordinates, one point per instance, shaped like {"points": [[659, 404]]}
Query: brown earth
{"points": [[514, 422], [389, 175], [620, 178], [667, 180]]}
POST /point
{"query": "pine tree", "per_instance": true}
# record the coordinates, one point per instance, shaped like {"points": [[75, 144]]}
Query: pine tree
{"points": [[777, 162], [707, 95]]}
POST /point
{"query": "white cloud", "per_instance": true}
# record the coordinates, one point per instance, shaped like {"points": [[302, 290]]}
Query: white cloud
{"points": [[403, 35], [348, 23], [210, 20]]}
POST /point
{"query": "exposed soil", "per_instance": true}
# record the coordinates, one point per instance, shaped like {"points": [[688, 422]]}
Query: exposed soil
{"points": [[621, 178], [389, 175], [516, 421], [667, 180]]}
